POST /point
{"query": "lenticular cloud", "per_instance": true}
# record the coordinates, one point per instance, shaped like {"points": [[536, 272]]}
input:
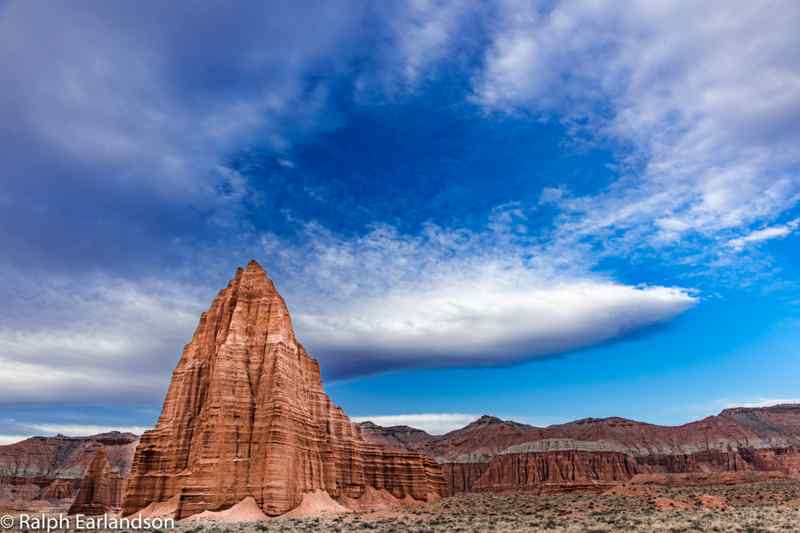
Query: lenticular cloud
{"points": [[483, 320]]}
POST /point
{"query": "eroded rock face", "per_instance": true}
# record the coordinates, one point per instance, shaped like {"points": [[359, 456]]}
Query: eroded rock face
{"points": [[737, 440], [786, 460], [101, 488], [246, 416], [582, 466], [461, 477], [566, 467], [50, 469]]}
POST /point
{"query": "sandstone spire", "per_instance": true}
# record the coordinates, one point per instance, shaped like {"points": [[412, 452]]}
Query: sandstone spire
{"points": [[246, 416], [100, 489]]}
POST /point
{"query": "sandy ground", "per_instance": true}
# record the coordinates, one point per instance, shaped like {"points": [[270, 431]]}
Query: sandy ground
{"points": [[759, 507]]}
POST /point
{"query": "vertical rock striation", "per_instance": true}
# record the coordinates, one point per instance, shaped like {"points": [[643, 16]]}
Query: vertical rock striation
{"points": [[494, 454], [563, 467], [246, 416], [461, 476], [101, 488]]}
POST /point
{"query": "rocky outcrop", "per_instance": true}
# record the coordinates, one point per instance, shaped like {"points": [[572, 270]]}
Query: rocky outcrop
{"points": [[101, 488], [246, 416], [50, 469], [496, 454], [786, 460], [461, 476], [511, 471], [542, 466]]}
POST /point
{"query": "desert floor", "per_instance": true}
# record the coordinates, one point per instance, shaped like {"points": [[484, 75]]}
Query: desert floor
{"points": [[758, 507], [773, 506]]}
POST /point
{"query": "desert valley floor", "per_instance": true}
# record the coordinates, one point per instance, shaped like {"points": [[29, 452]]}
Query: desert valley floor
{"points": [[758, 507], [755, 507]]}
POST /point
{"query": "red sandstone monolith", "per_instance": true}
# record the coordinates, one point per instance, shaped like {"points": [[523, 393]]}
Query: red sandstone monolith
{"points": [[246, 416]]}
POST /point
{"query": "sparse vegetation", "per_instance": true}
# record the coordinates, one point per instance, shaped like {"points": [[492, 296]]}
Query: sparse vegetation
{"points": [[761, 507]]}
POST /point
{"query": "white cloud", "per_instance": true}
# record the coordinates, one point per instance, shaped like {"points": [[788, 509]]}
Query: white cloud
{"points": [[107, 92], [11, 439], [361, 305], [490, 316], [420, 34], [451, 297], [433, 423], [424, 31], [772, 232], [704, 107], [102, 338]]}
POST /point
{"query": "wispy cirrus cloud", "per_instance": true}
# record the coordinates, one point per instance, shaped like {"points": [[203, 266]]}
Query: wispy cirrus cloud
{"points": [[107, 338], [114, 112], [705, 146], [424, 33], [773, 232], [116, 172]]}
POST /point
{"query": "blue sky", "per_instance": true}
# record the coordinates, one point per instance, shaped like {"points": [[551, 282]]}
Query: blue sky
{"points": [[537, 210]]}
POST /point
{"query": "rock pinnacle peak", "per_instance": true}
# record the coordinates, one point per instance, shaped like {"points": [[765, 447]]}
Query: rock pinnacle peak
{"points": [[246, 417], [254, 266]]}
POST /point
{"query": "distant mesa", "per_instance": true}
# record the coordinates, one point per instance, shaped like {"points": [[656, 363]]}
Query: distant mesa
{"points": [[58, 472], [738, 445]]}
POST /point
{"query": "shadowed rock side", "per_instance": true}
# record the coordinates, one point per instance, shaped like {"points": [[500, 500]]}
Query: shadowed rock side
{"points": [[50, 470], [493, 454], [246, 416], [461, 477], [101, 489]]}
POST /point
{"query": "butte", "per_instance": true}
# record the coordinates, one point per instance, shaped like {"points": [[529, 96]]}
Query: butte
{"points": [[246, 417]]}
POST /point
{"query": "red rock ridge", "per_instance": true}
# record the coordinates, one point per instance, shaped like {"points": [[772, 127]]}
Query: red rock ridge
{"points": [[564, 467], [50, 469], [246, 416], [737, 440], [776, 427]]}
